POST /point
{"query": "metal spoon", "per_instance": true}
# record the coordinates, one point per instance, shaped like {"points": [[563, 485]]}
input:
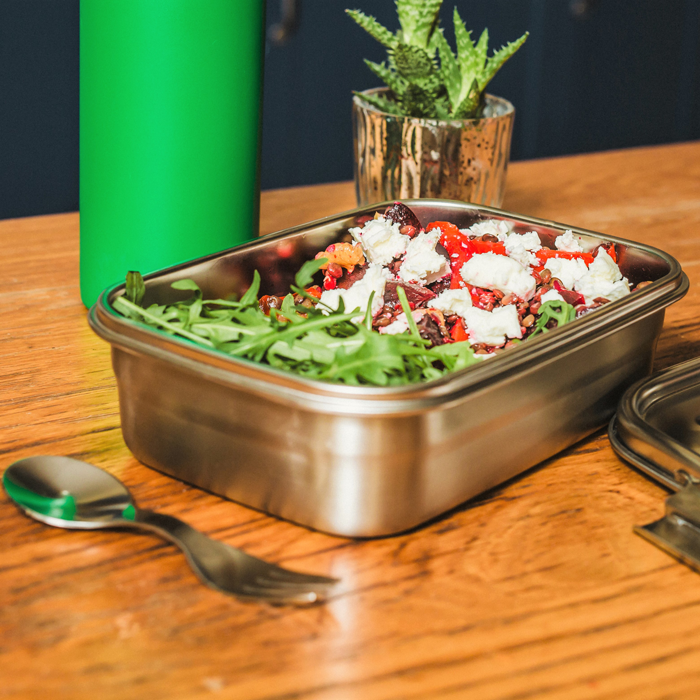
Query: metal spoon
{"points": [[68, 493]]}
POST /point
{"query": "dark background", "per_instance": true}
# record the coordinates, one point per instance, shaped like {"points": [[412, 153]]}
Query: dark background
{"points": [[594, 75]]}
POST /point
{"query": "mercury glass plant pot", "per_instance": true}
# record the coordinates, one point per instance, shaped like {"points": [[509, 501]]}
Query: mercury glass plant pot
{"points": [[408, 158]]}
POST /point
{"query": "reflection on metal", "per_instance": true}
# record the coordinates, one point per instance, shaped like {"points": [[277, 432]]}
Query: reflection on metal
{"points": [[280, 32], [403, 157], [657, 428], [678, 532]]}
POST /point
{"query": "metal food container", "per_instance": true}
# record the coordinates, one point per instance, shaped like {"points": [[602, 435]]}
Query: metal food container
{"points": [[657, 429], [372, 461], [657, 425]]}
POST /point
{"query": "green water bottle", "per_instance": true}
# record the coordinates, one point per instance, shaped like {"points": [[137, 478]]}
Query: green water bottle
{"points": [[170, 111]]}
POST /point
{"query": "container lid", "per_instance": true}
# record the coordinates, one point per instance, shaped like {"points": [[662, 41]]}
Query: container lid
{"points": [[657, 426], [657, 429]]}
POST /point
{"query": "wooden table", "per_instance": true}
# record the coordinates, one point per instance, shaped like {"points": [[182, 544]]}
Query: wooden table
{"points": [[538, 590]]}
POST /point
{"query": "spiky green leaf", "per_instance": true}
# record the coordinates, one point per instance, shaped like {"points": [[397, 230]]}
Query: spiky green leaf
{"points": [[469, 59], [481, 49], [381, 103], [391, 79], [415, 66], [418, 102], [496, 61], [471, 106], [442, 109], [374, 28], [449, 68], [413, 72], [418, 19]]}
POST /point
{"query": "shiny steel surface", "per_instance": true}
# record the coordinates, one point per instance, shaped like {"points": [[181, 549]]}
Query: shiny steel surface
{"points": [[678, 532], [657, 429], [68, 493], [657, 425], [367, 461], [405, 157]]}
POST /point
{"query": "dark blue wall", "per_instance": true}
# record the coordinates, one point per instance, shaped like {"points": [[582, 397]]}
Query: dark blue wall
{"points": [[594, 75]]}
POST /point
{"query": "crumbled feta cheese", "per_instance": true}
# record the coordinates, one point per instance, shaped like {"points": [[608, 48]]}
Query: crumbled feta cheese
{"points": [[568, 242], [400, 323], [529, 241], [422, 263], [357, 297], [522, 246], [551, 295], [493, 271], [603, 279], [492, 327], [490, 226], [381, 240], [568, 272], [452, 301]]}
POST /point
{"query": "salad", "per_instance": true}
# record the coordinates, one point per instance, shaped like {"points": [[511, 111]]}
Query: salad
{"points": [[400, 302]]}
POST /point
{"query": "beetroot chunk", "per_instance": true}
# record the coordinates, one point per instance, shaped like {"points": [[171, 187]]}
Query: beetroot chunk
{"points": [[403, 216], [415, 294], [349, 277]]}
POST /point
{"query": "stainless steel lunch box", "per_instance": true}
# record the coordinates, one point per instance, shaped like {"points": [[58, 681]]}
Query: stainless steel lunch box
{"points": [[370, 461], [657, 429]]}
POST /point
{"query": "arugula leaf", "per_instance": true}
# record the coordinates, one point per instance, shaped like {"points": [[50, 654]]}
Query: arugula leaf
{"points": [[306, 273], [135, 287], [556, 310], [407, 310], [187, 284], [251, 295], [314, 342]]}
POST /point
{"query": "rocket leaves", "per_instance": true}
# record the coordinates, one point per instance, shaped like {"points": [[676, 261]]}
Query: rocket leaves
{"points": [[555, 310], [315, 342]]}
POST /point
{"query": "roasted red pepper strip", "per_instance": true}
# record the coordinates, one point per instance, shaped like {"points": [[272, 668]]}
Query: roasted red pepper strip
{"points": [[458, 332], [458, 247], [544, 255], [488, 247]]}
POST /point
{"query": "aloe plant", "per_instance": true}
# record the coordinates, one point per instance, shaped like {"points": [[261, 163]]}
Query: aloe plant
{"points": [[425, 78]]}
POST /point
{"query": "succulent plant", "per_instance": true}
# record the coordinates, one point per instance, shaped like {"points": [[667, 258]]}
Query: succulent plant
{"points": [[425, 78]]}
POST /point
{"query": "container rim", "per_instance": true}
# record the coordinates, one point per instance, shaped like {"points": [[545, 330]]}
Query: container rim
{"points": [[638, 441], [504, 107]]}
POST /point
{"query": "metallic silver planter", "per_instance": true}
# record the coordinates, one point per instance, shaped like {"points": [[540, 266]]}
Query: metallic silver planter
{"points": [[406, 158], [372, 461]]}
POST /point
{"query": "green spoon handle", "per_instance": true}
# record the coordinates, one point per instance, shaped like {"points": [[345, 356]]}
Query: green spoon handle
{"points": [[61, 507]]}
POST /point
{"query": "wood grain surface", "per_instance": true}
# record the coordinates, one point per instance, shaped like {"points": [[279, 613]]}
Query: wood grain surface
{"points": [[538, 589]]}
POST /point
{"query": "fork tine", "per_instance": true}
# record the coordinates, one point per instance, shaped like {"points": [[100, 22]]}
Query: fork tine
{"points": [[233, 571], [302, 596], [289, 585], [283, 576]]}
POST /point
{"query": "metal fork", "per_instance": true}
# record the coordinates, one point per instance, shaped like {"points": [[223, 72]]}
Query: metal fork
{"points": [[231, 570], [68, 493]]}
